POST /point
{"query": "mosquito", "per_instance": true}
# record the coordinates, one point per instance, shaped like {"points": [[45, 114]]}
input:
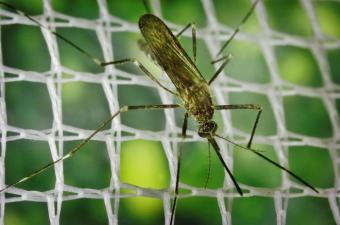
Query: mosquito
{"points": [[191, 88]]}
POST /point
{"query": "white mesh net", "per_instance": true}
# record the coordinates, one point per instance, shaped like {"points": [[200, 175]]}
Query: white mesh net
{"points": [[276, 91]]}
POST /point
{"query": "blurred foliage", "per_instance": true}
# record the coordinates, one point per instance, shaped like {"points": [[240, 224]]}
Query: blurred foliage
{"points": [[329, 17], [302, 157], [316, 124], [288, 17], [143, 163], [253, 210], [309, 210], [298, 66]]}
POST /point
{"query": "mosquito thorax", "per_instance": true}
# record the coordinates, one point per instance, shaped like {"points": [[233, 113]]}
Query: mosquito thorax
{"points": [[207, 129]]}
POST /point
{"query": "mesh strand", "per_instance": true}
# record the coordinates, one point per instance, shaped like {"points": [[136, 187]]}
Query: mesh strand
{"points": [[328, 94]]}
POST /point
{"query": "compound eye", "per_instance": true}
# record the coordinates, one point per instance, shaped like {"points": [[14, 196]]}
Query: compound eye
{"points": [[203, 134], [213, 126], [208, 129]]}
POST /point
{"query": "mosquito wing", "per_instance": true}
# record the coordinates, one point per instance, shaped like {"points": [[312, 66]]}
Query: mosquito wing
{"points": [[169, 53]]}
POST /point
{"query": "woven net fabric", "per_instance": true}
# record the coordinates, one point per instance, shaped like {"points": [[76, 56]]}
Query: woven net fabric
{"points": [[277, 91]]}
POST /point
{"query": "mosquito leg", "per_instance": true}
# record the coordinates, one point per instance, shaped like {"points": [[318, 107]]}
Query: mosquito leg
{"points": [[85, 141], [19, 12], [271, 161], [226, 60], [193, 34], [213, 142], [245, 18], [184, 134], [174, 203], [147, 6], [209, 167], [185, 125], [256, 107], [89, 55]]}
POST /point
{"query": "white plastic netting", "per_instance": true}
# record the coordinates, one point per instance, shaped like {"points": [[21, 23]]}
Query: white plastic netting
{"points": [[106, 26]]}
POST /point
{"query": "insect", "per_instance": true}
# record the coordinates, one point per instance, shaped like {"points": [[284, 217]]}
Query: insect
{"points": [[191, 88]]}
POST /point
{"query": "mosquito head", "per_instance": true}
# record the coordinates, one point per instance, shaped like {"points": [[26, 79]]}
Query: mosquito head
{"points": [[207, 129]]}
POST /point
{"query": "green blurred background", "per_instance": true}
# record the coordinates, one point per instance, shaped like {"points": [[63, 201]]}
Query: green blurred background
{"points": [[143, 162]]}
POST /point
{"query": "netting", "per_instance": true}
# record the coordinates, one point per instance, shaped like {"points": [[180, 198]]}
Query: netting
{"points": [[277, 94]]}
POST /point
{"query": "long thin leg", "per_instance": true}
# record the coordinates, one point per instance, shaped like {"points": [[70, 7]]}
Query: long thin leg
{"points": [[245, 18], [85, 141], [185, 125], [217, 150], [193, 34], [89, 55], [93, 58], [270, 161], [245, 106], [209, 167], [174, 203], [225, 60], [147, 6]]}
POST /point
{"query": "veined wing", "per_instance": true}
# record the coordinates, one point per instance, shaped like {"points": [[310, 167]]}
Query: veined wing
{"points": [[169, 53]]}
